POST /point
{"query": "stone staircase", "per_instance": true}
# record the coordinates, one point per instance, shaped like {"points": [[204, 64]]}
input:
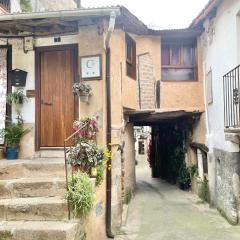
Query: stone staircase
{"points": [[32, 204]]}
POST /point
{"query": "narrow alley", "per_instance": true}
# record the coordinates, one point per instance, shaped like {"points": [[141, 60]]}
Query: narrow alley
{"points": [[160, 211]]}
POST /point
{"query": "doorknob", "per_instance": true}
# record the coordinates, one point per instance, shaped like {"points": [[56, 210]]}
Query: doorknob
{"points": [[45, 103]]}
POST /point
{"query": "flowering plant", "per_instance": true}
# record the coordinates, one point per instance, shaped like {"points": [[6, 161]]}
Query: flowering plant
{"points": [[87, 155], [88, 126], [82, 89]]}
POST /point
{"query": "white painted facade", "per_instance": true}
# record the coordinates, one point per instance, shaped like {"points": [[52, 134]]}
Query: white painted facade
{"points": [[15, 6], [221, 44]]}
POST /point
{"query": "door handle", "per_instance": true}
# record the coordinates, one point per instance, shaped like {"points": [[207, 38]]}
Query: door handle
{"points": [[46, 103]]}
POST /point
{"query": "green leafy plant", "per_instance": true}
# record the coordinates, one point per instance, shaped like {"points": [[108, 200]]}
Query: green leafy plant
{"points": [[128, 195], [13, 134], [17, 97], [26, 6], [175, 163], [193, 169], [80, 194], [87, 155], [100, 171], [184, 175], [204, 192]]}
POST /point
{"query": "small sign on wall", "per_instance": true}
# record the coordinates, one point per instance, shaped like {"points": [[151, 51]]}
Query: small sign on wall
{"points": [[91, 67]]}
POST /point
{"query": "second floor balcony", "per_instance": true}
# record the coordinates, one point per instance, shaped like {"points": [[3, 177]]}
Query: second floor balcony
{"points": [[231, 90]]}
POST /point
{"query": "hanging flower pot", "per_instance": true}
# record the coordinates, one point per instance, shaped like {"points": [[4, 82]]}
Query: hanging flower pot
{"points": [[84, 97], [82, 90]]}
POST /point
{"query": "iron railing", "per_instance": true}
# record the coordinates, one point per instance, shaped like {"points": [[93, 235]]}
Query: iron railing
{"points": [[231, 90], [6, 5], [72, 138]]}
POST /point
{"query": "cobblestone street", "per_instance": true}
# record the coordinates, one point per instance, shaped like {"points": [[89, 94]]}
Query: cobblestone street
{"points": [[160, 211]]}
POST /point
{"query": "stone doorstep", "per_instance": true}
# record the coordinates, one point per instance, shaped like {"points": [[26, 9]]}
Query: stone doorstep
{"points": [[31, 168], [37, 209], [32, 187], [47, 230]]}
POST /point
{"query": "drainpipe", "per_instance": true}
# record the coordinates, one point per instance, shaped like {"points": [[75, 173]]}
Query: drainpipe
{"points": [[109, 127], [79, 5]]}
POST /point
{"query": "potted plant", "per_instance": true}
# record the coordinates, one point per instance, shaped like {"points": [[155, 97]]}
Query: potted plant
{"points": [[90, 130], [13, 134], [184, 178], [17, 97], [80, 194], [82, 90], [86, 157]]}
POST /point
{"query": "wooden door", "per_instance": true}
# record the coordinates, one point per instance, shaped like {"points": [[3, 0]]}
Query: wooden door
{"points": [[57, 72]]}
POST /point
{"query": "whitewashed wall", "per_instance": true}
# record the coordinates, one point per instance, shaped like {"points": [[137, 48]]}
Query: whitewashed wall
{"points": [[15, 6], [221, 54]]}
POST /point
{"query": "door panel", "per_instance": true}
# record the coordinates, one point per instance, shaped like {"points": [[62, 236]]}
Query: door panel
{"points": [[57, 74]]}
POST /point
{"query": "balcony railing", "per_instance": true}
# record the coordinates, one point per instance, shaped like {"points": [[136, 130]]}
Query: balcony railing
{"points": [[231, 90], [6, 5]]}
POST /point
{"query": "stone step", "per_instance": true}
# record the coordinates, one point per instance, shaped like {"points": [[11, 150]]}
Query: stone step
{"points": [[32, 187], [33, 209], [31, 168], [40, 230]]}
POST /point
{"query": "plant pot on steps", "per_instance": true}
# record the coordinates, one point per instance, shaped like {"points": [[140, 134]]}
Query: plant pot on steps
{"points": [[184, 186], [12, 153]]}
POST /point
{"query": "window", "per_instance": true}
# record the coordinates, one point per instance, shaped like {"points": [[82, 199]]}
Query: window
{"points": [[130, 57], [178, 61]]}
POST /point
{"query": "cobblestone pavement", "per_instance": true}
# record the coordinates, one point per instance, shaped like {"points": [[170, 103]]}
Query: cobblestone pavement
{"points": [[160, 211]]}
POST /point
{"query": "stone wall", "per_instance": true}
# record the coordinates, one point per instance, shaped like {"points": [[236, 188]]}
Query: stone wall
{"points": [[146, 97], [227, 184]]}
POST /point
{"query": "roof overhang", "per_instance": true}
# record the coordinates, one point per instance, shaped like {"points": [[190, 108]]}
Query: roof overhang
{"points": [[152, 117], [208, 11], [169, 34], [52, 22]]}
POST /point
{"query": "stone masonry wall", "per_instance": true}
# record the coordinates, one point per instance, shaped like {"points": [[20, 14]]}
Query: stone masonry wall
{"points": [[146, 100], [227, 184]]}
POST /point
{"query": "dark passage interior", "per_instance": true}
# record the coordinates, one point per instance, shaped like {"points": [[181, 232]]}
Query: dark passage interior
{"points": [[167, 151]]}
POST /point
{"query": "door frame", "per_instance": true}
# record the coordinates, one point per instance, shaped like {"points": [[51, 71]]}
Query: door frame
{"points": [[38, 51], [9, 85]]}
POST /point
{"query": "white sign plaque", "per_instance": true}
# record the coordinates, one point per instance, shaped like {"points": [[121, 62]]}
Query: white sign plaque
{"points": [[91, 67]]}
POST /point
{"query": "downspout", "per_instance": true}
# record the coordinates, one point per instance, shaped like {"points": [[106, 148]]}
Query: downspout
{"points": [[79, 4], [109, 126]]}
